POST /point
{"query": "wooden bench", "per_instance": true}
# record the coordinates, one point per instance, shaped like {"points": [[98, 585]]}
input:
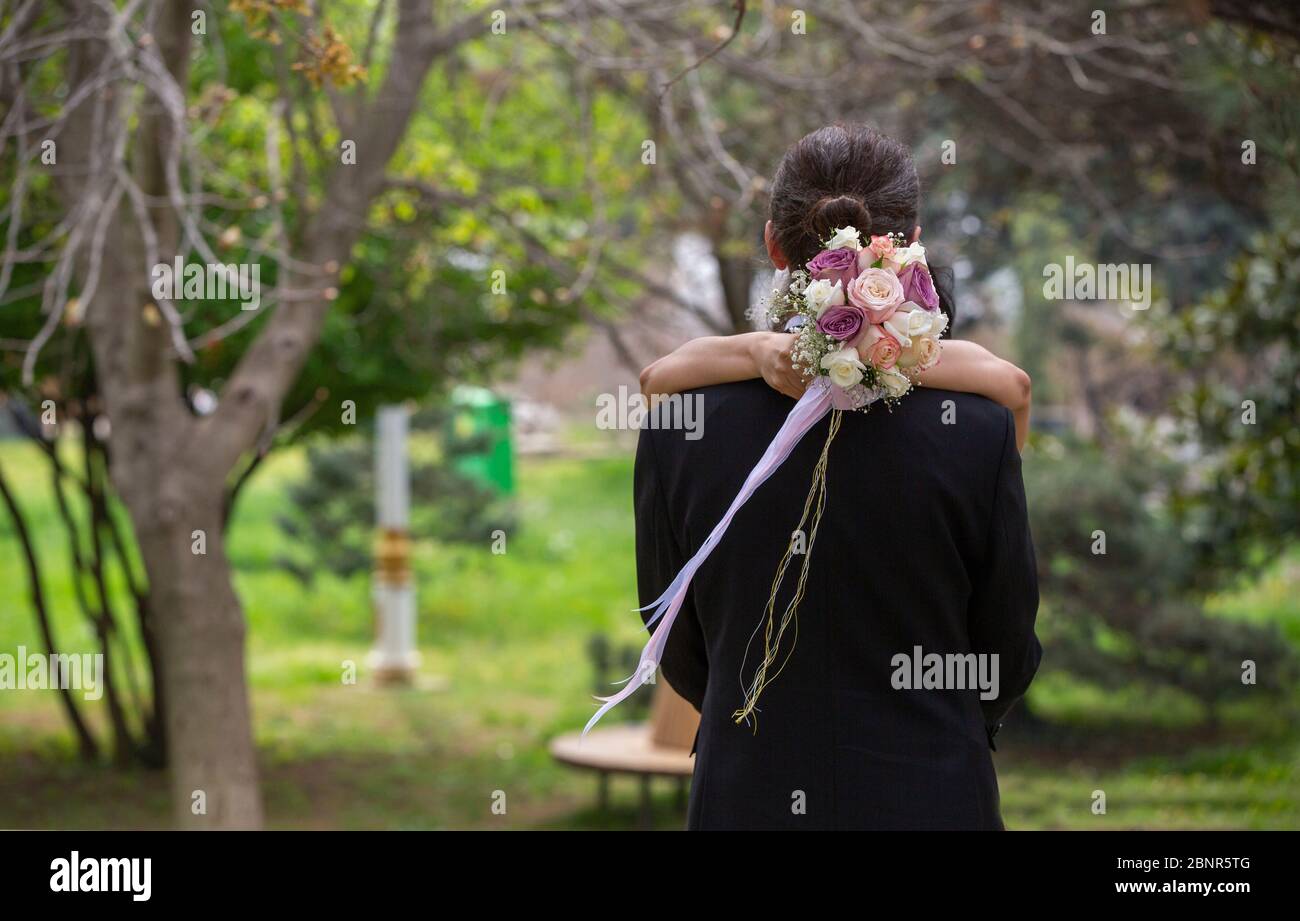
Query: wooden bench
{"points": [[659, 748]]}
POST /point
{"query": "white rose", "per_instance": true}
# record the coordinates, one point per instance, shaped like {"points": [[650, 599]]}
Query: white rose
{"points": [[843, 367], [938, 323], [845, 238], [912, 321], [904, 256], [821, 295], [894, 382], [897, 326], [920, 322]]}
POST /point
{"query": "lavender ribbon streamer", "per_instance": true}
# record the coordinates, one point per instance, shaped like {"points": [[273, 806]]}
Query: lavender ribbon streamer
{"points": [[812, 406]]}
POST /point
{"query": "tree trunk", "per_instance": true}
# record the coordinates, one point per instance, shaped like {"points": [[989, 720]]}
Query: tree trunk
{"points": [[169, 478], [737, 276], [171, 488], [169, 467], [200, 635]]}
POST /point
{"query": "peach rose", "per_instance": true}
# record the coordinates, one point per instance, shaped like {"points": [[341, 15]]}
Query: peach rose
{"points": [[922, 354], [878, 348]]}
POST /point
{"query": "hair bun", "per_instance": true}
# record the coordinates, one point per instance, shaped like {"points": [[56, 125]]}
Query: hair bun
{"points": [[830, 214]]}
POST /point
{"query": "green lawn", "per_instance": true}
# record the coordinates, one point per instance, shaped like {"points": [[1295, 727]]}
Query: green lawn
{"points": [[505, 668]]}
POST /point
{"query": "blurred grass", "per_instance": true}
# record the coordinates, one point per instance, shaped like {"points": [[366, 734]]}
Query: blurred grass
{"points": [[505, 668]]}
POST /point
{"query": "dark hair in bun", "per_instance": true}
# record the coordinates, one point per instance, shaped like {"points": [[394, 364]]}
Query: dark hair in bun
{"points": [[847, 175], [833, 212]]}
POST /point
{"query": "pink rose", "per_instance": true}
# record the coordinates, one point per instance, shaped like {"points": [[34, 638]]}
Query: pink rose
{"points": [[835, 265], [876, 291]]}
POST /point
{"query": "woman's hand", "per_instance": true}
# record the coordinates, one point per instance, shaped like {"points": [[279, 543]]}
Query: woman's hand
{"points": [[721, 359], [771, 352]]}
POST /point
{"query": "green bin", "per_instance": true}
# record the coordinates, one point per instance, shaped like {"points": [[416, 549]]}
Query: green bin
{"points": [[479, 414]]}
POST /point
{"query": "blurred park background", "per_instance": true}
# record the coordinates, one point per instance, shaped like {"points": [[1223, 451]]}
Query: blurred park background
{"points": [[494, 214]]}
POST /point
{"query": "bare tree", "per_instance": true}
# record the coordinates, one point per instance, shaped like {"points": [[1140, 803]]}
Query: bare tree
{"points": [[1055, 96]]}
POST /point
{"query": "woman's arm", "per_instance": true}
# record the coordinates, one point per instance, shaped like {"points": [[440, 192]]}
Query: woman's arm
{"points": [[722, 359], [971, 368], [964, 366]]}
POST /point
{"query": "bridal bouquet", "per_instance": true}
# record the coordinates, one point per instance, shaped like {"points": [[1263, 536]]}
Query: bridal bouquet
{"points": [[866, 317], [867, 322]]}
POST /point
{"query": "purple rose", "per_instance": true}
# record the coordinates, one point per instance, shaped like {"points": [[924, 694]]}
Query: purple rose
{"points": [[918, 287], [842, 323], [835, 265]]}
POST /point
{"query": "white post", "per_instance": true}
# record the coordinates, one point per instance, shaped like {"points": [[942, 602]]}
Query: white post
{"points": [[394, 658]]}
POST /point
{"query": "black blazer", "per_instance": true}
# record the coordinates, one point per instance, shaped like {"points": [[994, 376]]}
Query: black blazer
{"points": [[924, 542]]}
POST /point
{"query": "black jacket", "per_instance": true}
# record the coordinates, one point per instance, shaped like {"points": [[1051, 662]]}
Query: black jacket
{"points": [[924, 542]]}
